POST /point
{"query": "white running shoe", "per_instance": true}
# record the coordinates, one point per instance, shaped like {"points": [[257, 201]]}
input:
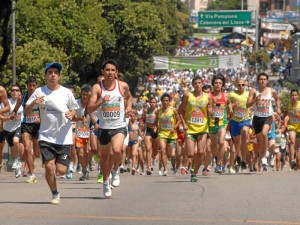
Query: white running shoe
{"points": [[106, 189], [18, 170], [115, 178], [32, 179], [55, 199], [15, 163]]}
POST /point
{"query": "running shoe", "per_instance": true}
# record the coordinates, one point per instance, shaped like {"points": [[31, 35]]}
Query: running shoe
{"points": [[122, 169], [160, 173], [85, 176], [18, 170], [32, 179], [218, 169], [205, 172], [133, 171], [25, 174], [149, 172], [243, 165], [231, 170], [55, 199], [183, 171], [100, 179], [115, 178], [265, 167], [165, 173], [194, 178], [69, 175], [293, 164], [106, 189], [15, 164], [79, 169]]}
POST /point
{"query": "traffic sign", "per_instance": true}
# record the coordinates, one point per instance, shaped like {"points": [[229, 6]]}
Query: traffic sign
{"points": [[225, 19]]}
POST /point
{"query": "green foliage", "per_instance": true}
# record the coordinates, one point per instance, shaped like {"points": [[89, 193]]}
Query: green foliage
{"points": [[80, 34], [30, 63], [261, 57], [226, 5]]}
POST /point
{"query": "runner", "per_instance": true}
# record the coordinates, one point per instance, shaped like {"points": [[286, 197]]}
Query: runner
{"points": [[12, 130], [194, 110], [57, 107], [30, 130], [261, 100], [167, 122], [82, 137], [293, 114], [219, 104], [134, 131], [113, 99], [151, 137], [240, 121]]}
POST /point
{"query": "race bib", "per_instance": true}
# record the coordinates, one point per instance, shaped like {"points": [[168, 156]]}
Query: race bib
{"points": [[150, 119], [240, 112], [32, 117], [166, 125], [197, 118], [111, 111], [17, 119], [83, 132], [218, 112], [263, 111]]}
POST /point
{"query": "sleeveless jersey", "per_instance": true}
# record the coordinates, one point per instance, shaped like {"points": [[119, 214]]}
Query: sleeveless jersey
{"points": [[240, 113], [33, 115], [166, 120], [219, 112], [112, 112], [263, 108], [196, 114], [12, 125], [151, 118], [294, 121]]}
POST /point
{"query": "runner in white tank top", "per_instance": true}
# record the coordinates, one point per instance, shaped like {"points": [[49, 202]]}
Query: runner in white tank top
{"points": [[111, 114], [113, 99], [260, 99]]}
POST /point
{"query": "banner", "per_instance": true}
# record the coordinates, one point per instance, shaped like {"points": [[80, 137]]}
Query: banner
{"points": [[181, 63]]}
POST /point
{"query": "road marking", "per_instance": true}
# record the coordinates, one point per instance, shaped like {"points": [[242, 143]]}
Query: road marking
{"points": [[139, 218]]}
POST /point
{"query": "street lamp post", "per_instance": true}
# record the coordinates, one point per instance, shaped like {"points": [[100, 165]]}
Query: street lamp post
{"points": [[13, 41]]}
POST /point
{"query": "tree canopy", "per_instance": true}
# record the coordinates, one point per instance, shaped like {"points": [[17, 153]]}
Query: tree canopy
{"points": [[80, 34]]}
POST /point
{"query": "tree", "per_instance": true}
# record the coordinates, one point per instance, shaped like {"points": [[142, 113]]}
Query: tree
{"points": [[5, 12], [30, 63], [226, 5]]}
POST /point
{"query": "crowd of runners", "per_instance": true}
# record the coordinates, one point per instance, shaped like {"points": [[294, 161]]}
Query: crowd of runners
{"points": [[197, 122]]}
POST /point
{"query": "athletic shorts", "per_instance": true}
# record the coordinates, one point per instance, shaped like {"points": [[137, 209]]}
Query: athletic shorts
{"points": [[2, 136], [214, 130], [81, 142], [31, 128], [131, 143], [180, 137], [235, 127], [259, 122], [194, 137], [9, 136], [168, 140], [150, 132], [61, 153], [105, 135]]}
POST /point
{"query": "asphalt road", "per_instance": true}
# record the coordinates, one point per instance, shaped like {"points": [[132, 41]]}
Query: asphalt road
{"points": [[248, 198]]}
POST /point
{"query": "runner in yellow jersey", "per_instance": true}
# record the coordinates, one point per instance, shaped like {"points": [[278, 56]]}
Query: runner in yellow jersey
{"points": [[168, 120], [293, 112], [194, 111], [240, 121]]}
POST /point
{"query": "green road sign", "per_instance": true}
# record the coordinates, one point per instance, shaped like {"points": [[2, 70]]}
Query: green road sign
{"points": [[225, 19]]}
